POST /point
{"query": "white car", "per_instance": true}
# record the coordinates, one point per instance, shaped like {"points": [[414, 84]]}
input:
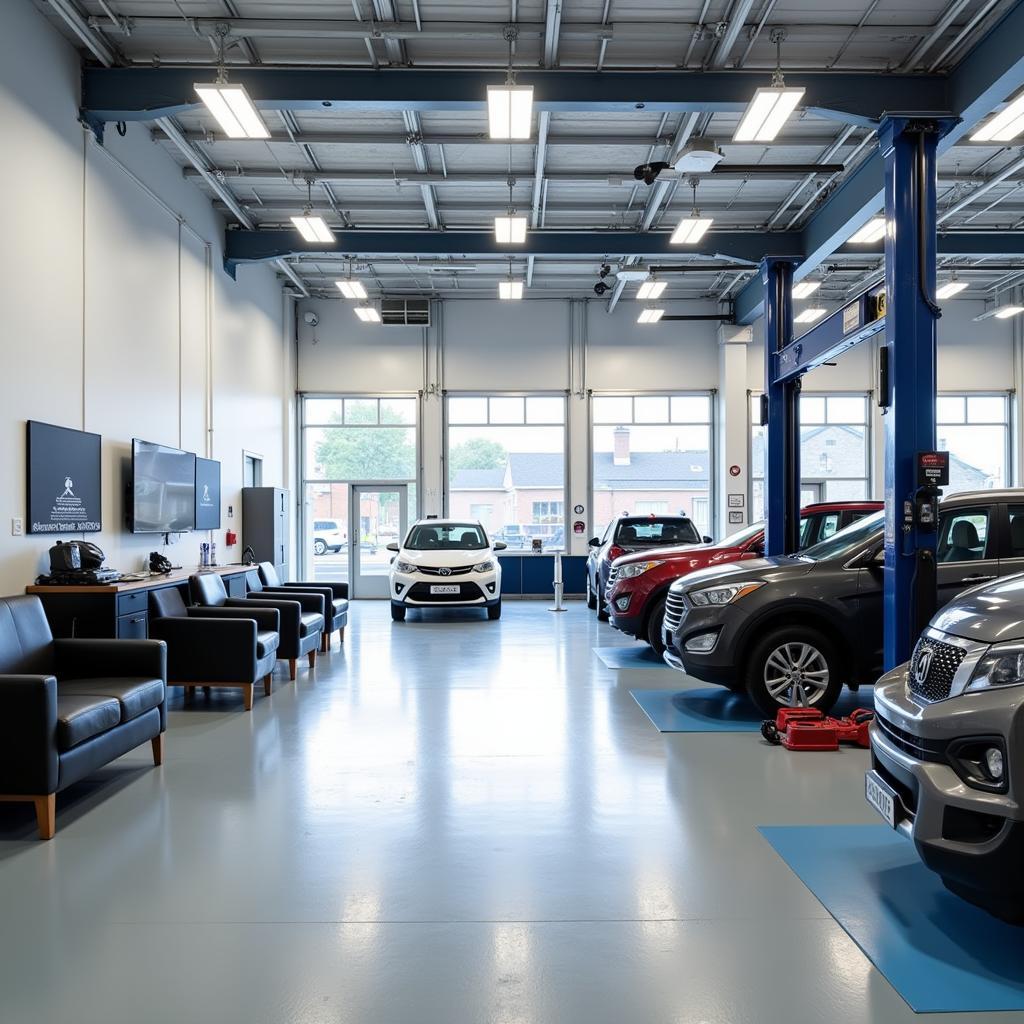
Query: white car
{"points": [[445, 563]]}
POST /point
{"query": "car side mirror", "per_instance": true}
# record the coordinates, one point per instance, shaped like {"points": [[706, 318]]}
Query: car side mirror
{"points": [[707, 540], [594, 542], [393, 547], [500, 545]]}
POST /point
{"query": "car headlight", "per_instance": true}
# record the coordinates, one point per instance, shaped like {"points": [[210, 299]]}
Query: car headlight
{"points": [[406, 567], [1002, 666], [627, 572], [483, 567], [726, 594]]}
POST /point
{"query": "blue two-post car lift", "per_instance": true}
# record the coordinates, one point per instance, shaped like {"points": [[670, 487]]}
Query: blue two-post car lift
{"points": [[906, 310]]}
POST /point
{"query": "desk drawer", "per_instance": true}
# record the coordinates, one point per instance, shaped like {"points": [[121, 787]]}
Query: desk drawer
{"points": [[133, 627], [132, 602]]}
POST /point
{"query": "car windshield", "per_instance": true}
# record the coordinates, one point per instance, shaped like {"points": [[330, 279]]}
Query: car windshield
{"points": [[740, 537], [652, 530], [845, 542], [446, 537]]}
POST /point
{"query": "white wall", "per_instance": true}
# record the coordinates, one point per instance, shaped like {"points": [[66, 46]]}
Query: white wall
{"points": [[118, 317]]}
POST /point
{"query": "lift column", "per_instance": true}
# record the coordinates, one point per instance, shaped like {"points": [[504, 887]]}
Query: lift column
{"points": [[782, 455], [908, 381]]}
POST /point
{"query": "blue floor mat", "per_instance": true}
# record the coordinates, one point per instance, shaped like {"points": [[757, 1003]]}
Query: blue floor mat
{"points": [[716, 709], [941, 954], [639, 656]]}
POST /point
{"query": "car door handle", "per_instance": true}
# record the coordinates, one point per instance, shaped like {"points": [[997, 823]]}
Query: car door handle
{"points": [[977, 579]]}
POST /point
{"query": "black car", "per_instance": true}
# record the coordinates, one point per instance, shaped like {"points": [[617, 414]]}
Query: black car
{"points": [[793, 630], [627, 534]]}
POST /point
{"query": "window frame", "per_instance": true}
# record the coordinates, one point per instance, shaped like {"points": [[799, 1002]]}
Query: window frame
{"points": [[1008, 397]]}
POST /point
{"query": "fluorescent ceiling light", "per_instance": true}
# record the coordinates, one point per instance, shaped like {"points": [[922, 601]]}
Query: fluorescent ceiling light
{"points": [[1005, 125], [1005, 312], [368, 314], [509, 111], [351, 289], [871, 232], [510, 289], [950, 288], [690, 230], [234, 111], [766, 113], [651, 289], [509, 230], [808, 316], [805, 288], [313, 229], [650, 316]]}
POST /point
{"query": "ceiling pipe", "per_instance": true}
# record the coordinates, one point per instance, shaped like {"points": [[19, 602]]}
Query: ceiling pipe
{"points": [[737, 19], [948, 17], [90, 35]]}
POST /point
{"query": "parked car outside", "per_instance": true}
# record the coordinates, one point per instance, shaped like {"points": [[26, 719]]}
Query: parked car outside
{"points": [[513, 536], [946, 750], [638, 583], [795, 629], [328, 536], [632, 533]]}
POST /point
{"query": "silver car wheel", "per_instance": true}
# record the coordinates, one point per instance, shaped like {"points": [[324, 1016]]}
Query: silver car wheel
{"points": [[796, 674]]}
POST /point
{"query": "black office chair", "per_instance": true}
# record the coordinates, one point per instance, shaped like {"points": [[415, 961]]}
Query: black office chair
{"points": [[207, 647], [335, 595], [964, 542]]}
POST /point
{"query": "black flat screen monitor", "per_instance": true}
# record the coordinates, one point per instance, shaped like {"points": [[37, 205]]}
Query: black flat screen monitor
{"points": [[163, 488], [207, 494]]}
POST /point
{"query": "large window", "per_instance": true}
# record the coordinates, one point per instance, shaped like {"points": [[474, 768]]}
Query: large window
{"points": [[975, 430], [347, 441], [834, 447], [506, 466], [651, 455]]}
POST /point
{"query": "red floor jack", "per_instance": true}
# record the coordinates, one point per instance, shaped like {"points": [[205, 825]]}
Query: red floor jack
{"points": [[810, 729]]}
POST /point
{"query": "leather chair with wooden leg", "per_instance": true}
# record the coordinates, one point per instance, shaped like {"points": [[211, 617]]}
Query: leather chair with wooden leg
{"points": [[266, 581], [215, 647], [302, 619]]}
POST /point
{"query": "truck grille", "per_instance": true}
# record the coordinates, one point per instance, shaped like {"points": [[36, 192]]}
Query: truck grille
{"points": [[915, 746], [932, 668], [675, 609]]}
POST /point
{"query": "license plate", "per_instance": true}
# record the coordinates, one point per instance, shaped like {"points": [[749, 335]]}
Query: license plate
{"points": [[444, 590], [881, 796]]}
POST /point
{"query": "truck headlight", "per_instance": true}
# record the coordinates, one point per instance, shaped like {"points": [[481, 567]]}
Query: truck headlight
{"points": [[405, 567], [627, 572], [720, 595], [483, 567], [1003, 665]]}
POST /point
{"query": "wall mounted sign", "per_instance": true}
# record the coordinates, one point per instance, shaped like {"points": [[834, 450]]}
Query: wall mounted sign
{"points": [[933, 469], [207, 494], [579, 526], [64, 494], [851, 317], [736, 500], [736, 517], [578, 509], [734, 471]]}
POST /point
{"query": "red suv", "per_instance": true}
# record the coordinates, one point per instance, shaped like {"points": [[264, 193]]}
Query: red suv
{"points": [[638, 582]]}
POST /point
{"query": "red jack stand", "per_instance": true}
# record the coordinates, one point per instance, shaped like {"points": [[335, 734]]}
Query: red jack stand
{"points": [[809, 729]]}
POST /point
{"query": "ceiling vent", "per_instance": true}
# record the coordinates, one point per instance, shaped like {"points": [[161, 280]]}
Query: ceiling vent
{"points": [[405, 312]]}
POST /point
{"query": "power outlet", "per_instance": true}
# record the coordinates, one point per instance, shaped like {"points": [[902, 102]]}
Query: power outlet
{"points": [[17, 527]]}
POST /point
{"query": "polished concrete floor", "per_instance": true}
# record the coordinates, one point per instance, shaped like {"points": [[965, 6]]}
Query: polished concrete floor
{"points": [[452, 821]]}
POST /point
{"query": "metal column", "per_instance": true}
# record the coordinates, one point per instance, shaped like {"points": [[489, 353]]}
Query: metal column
{"points": [[908, 147], [782, 454]]}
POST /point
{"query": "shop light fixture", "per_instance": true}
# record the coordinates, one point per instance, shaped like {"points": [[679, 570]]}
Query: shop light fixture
{"points": [[651, 289], [650, 316], [233, 110], [766, 113], [805, 288], [949, 289], [352, 289], [368, 314], [1003, 312], [691, 230], [509, 111], [808, 316], [871, 232], [510, 230], [1005, 125], [313, 229], [510, 289]]}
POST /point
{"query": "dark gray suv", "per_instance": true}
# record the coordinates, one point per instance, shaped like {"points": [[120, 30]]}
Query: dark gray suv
{"points": [[793, 630], [947, 746]]}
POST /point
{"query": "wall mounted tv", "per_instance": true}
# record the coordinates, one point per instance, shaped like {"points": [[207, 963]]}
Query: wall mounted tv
{"points": [[163, 489], [207, 494]]}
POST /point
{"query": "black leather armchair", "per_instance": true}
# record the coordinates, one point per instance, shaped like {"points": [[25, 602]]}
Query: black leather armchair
{"points": [[302, 618], [229, 647], [266, 581], [68, 707]]}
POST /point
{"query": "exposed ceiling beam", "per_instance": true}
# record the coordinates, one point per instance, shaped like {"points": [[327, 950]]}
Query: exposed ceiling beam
{"points": [[385, 204], [89, 34], [949, 15], [552, 24], [734, 25]]}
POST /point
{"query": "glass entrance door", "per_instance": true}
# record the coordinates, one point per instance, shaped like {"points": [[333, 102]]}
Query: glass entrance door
{"points": [[378, 516]]}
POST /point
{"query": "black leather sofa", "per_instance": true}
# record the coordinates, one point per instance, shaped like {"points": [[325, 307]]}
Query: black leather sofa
{"points": [[302, 618], [68, 707], [223, 647], [266, 581]]}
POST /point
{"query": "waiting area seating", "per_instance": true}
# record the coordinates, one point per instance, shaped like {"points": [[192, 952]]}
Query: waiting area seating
{"points": [[70, 706], [266, 581]]}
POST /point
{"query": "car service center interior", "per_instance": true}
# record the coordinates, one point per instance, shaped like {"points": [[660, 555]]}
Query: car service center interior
{"points": [[514, 512]]}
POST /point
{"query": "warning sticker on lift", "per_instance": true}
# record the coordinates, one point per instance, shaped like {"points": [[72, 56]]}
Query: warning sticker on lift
{"points": [[851, 317]]}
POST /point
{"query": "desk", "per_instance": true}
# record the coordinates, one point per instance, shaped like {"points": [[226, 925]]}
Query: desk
{"points": [[120, 609]]}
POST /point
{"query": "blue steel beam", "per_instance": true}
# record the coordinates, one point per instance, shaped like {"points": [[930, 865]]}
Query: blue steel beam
{"points": [[132, 94], [259, 246], [988, 75]]}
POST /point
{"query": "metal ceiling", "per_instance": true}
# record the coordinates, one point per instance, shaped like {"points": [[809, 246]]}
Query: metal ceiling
{"points": [[436, 170]]}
